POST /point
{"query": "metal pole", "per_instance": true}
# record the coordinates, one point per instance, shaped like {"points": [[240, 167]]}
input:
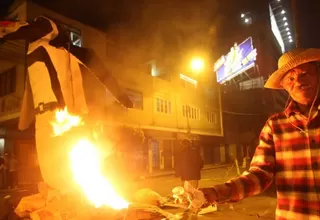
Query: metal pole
{"points": [[295, 22]]}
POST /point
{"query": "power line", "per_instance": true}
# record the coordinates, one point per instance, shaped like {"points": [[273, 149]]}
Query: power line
{"points": [[244, 114], [239, 113]]}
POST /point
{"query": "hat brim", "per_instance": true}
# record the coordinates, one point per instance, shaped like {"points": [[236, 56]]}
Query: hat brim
{"points": [[307, 56]]}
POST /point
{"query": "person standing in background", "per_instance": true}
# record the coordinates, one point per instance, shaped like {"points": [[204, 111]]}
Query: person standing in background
{"points": [[6, 171], [13, 171], [190, 164], [1, 173]]}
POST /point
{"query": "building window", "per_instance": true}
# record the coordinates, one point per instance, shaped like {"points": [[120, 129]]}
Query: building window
{"points": [[252, 83], [75, 39], [2, 141], [75, 35], [190, 112], [212, 117], [8, 82], [136, 98], [163, 106]]}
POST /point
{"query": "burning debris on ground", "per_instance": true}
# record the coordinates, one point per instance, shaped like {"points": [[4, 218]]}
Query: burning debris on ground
{"points": [[48, 204], [93, 195]]}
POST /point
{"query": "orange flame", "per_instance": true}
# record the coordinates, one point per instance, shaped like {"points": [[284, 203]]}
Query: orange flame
{"points": [[64, 122], [88, 175]]}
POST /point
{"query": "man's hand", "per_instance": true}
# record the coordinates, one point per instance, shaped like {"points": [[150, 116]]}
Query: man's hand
{"points": [[210, 195]]}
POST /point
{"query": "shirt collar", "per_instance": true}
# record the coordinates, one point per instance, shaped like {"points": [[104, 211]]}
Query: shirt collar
{"points": [[293, 108]]}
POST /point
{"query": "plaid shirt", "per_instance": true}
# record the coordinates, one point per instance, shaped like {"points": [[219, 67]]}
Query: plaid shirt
{"points": [[289, 155]]}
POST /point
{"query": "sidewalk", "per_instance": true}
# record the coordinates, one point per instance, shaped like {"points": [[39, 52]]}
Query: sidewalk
{"points": [[163, 173]]}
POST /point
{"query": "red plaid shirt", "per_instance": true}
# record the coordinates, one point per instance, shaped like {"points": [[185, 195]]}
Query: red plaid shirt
{"points": [[289, 155]]}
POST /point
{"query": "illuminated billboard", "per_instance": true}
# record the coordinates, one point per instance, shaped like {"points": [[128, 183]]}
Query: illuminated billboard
{"points": [[240, 58]]}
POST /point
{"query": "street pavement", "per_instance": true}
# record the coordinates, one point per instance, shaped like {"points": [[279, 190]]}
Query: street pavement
{"points": [[257, 207]]}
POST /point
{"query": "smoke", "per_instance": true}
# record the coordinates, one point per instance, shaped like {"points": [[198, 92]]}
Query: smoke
{"points": [[167, 31]]}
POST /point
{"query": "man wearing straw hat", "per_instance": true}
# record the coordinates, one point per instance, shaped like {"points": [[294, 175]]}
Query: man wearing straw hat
{"points": [[289, 146]]}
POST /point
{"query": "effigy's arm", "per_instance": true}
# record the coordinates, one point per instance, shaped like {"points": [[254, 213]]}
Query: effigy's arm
{"points": [[27, 115], [34, 30], [29, 31], [94, 63]]}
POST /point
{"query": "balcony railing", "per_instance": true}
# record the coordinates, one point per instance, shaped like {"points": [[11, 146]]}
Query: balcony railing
{"points": [[9, 107]]}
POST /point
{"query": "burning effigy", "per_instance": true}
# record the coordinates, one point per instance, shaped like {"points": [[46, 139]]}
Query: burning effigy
{"points": [[69, 155]]}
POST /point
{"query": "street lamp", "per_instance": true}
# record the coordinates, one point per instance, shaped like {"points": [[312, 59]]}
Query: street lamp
{"points": [[197, 64], [246, 17]]}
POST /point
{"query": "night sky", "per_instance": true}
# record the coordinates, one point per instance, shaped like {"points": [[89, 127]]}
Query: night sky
{"points": [[102, 14], [309, 22]]}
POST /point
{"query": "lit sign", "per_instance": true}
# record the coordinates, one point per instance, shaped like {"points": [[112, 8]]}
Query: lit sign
{"points": [[188, 79], [275, 30], [240, 58]]}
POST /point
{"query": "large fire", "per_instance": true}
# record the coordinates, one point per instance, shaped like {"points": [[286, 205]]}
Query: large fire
{"points": [[88, 175]]}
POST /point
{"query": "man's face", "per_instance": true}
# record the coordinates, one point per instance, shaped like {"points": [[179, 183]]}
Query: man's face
{"points": [[302, 83]]}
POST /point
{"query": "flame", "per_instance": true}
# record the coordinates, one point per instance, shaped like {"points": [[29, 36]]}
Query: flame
{"points": [[64, 121], [90, 178], [88, 175]]}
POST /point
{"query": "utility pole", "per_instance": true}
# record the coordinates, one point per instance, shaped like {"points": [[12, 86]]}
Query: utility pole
{"points": [[188, 123], [295, 22]]}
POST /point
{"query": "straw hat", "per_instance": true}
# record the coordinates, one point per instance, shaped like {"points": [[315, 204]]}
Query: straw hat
{"points": [[289, 61]]}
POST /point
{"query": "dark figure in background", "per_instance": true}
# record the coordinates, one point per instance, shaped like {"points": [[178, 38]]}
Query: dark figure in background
{"points": [[189, 164], [1, 173], [13, 171], [6, 171]]}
